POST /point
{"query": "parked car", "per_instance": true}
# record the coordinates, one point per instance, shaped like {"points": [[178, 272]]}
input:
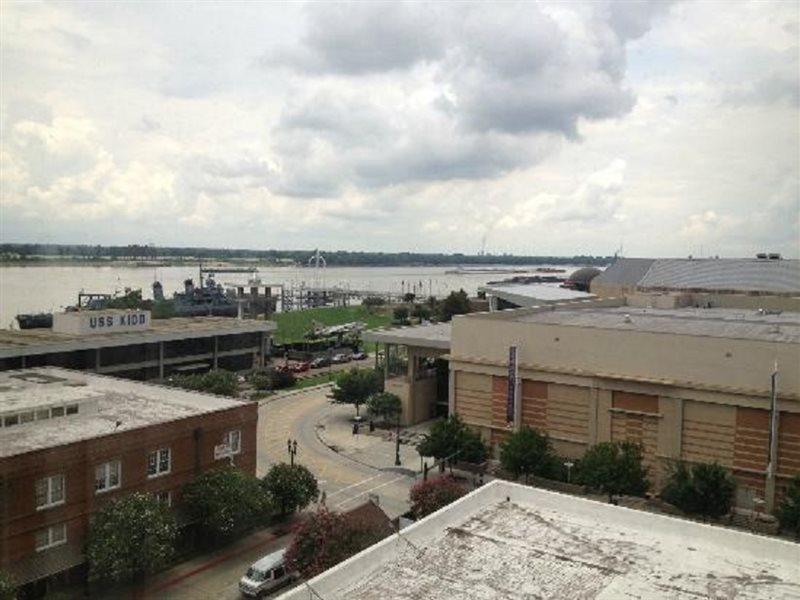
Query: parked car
{"points": [[283, 368], [359, 355], [340, 358], [320, 361], [266, 575], [300, 367]]}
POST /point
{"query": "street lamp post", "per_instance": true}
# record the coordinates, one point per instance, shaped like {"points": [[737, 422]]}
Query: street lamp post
{"points": [[397, 444], [291, 446], [569, 466]]}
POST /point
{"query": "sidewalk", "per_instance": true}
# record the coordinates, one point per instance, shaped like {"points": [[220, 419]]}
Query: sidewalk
{"points": [[376, 449]]}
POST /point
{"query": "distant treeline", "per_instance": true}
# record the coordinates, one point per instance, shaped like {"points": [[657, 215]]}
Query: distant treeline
{"points": [[340, 258]]}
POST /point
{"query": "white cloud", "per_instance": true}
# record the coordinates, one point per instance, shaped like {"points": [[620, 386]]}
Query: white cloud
{"points": [[549, 128]]}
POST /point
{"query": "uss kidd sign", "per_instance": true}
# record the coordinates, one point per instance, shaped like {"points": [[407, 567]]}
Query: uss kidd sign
{"points": [[89, 322]]}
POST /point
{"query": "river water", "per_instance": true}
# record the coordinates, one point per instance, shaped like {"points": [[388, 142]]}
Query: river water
{"points": [[34, 289]]}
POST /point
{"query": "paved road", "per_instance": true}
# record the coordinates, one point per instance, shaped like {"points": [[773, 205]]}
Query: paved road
{"points": [[346, 483]]}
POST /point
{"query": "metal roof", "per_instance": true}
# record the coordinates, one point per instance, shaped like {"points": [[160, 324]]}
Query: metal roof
{"points": [[716, 274], [625, 271], [741, 275]]}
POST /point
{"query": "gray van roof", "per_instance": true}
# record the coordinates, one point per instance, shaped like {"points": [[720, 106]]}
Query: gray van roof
{"points": [[270, 561]]}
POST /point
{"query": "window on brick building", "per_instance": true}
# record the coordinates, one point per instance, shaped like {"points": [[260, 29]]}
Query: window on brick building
{"points": [[165, 497], [159, 462], [107, 476], [50, 537], [233, 439], [49, 491]]}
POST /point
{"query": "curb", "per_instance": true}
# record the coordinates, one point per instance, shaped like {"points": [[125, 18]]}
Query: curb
{"points": [[290, 393]]}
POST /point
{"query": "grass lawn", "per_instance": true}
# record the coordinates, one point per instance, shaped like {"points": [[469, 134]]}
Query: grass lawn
{"points": [[292, 326]]}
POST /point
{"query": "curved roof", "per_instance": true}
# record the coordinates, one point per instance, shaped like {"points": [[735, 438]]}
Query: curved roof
{"points": [[780, 276], [584, 275]]}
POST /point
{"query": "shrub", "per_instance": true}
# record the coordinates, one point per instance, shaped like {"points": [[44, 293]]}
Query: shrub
{"points": [[290, 487], [385, 405], [7, 587], [326, 539], [218, 381], [614, 468], [527, 452], [372, 302], [271, 379], [224, 502], [429, 496], [702, 489], [788, 512], [129, 538]]}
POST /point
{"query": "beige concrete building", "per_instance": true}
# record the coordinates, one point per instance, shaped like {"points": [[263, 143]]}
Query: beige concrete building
{"points": [[687, 384], [410, 368]]}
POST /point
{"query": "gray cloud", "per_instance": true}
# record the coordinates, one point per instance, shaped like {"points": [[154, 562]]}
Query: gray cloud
{"points": [[368, 37], [510, 78]]}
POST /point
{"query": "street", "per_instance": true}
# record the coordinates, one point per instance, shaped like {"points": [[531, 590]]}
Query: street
{"points": [[363, 466]]}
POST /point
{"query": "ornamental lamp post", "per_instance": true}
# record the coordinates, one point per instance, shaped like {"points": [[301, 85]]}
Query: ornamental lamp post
{"points": [[397, 444], [291, 446]]}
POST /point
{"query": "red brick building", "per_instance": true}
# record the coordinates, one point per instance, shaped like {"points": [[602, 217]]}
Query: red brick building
{"points": [[70, 442]]}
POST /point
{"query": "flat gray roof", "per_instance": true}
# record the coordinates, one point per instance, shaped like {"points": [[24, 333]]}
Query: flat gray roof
{"points": [[505, 540], [105, 405], [713, 322], [424, 336], [534, 293], [25, 342]]}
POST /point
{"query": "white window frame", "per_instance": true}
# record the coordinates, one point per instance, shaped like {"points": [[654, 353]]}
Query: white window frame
{"points": [[50, 503], [159, 472], [228, 441], [51, 541], [168, 493], [106, 466]]}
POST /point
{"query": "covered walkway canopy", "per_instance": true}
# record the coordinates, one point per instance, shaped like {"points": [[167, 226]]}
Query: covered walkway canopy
{"points": [[411, 369]]}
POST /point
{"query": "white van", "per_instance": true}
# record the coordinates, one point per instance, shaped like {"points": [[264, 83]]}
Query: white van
{"points": [[265, 575]]}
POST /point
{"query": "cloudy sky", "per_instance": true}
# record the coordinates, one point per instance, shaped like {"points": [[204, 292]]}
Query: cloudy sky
{"points": [[539, 128]]}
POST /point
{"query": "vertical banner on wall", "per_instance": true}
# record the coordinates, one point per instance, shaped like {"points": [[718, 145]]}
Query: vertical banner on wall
{"points": [[773, 425], [511, 400]]}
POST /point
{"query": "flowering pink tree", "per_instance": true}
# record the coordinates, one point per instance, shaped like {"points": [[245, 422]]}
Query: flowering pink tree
{"points": [[429, 496]]}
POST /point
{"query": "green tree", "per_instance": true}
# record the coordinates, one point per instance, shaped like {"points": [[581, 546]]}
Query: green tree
{"points": [[421, 312], [702, 489], [355, 386], [129, 538], [326, 539], [526, 452], [7, 587], [427, 497], [385, 405], [457, 303], [290, 487], [788, 512], [452, 440], [614, 468], [225, 502], [400, 315]]}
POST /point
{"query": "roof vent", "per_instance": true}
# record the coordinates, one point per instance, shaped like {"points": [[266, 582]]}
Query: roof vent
{"points": [[774, 256], [627, 318], [761, 256]]}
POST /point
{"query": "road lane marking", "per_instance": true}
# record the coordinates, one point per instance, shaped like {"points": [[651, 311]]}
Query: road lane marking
{"points": [[362, 482], [372, 489]]}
